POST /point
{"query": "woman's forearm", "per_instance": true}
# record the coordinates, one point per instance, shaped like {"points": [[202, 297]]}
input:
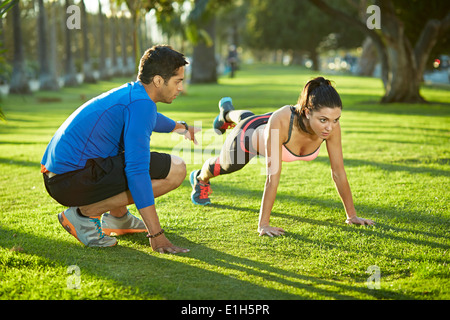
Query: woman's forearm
{"points": [[343, 188], [268, 199]]}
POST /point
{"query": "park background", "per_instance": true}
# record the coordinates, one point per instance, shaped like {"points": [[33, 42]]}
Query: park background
{"points": [[394, 82]]}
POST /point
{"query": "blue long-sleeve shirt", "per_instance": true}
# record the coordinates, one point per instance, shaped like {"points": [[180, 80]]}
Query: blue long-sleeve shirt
{"points": [[95, 129]]}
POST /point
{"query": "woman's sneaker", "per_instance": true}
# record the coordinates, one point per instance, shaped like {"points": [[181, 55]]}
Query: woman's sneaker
{"points": [[123, 225], [220, 124], [87, 230], [200, 190]]}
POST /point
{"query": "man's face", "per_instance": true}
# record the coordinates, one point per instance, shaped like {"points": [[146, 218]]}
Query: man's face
{"points": [[173, 87]]}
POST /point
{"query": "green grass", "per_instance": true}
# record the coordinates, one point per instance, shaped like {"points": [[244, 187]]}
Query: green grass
{"points": [[397, 161]]}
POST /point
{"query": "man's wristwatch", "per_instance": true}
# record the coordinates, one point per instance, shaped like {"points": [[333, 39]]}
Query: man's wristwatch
{"points": [[185, 125]]}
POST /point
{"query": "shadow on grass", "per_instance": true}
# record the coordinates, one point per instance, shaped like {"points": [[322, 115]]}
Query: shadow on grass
{"points": [[20, 163], [393, 167], [158, 276], [387, 212], [434, 108]]}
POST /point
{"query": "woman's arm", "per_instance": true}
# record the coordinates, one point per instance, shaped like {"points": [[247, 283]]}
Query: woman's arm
{"points": [[334, 147], [273, 144]]}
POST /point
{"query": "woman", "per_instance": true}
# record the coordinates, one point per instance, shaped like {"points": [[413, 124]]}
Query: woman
{"points": [[290, 133]]}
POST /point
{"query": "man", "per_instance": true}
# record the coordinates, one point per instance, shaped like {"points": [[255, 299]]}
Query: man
{"points": [[99, 160]]}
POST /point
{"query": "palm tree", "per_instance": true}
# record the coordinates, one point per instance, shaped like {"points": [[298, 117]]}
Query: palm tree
{"points": [[19, 79], [87, 65], [70, 78], [114, 69], [104, 72], [47, 72], [4, 7]]}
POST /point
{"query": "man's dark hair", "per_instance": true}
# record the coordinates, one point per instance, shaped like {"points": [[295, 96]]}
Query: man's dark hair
{"points": [[160, 60]]}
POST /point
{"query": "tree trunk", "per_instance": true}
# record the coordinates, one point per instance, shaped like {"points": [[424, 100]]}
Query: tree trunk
{"points": [[134, 6], [368, 59], [403, 84], [53, 50], [315, 58], [124, 36], [2, 58], [297, 57], [204, 65], [47, 76], [19, 80], [104, 73], [87, 65], [70, 78], [114, 69]]}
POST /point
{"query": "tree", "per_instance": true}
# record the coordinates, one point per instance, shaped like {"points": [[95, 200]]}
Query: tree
{"points": [[4, 7], [114, 68], [199, 29], [19, 79], [124, 31], [103, 70], [165, 15], [402, 62], [47, 72], [87, 65], [289, 26], [296, 27], [70, 77], [202, 34], [53, 49], [135, 7]]}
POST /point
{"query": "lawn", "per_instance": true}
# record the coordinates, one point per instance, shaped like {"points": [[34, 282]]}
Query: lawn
{"points": [[397, 161]]}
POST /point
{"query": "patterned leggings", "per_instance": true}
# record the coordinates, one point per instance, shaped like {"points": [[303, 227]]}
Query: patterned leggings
{"points": [[237, 150]]}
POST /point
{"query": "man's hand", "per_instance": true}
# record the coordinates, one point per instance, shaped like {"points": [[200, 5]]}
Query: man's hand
{"points": [[190, 135], [162, 245], [361, 221], [270, 231]]}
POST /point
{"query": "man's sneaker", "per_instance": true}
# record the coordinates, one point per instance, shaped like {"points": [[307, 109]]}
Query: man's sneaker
{"points": [[200, 190], [220, 124], [87, 230], [123, 225]]}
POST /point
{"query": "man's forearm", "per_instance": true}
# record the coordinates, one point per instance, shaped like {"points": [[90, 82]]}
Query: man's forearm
{"points": [[151, 219]]}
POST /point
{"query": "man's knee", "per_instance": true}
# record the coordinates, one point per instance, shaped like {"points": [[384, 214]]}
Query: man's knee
{"points": [[177, 171]]}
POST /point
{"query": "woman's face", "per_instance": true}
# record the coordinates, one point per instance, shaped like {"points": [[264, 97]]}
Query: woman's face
{"points": [[324, 121]]}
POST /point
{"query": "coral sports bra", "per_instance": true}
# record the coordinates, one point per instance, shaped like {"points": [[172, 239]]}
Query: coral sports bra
{"points": [[287, 155]]}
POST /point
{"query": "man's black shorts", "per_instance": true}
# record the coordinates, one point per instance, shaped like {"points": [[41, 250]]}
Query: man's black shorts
{"points": [[99, 180]]}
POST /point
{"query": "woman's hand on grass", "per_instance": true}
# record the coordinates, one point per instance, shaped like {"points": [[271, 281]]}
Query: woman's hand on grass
{"points": [[270, 231], [360, 221]]}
